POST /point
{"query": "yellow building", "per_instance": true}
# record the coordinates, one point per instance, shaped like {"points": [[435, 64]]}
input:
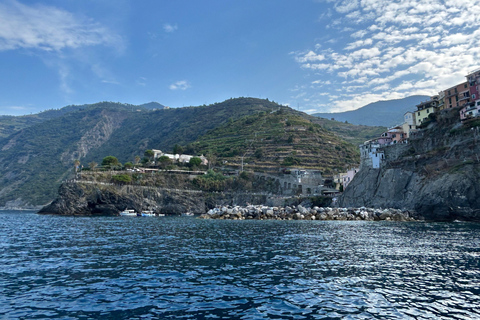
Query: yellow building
{"points": [[425, 109]]}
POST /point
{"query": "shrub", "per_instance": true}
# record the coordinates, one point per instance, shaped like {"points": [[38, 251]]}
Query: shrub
{"points": [[121, 178]]}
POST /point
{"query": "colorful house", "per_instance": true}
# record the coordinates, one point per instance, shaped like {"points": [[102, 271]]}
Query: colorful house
{"points": [[349, 177], [409, 123], [424, 110], [457, 96], [470, 111], [371, 154], [473, 80]]}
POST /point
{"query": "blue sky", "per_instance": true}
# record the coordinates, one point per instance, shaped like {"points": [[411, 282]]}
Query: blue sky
{"points": [[314, 55]]}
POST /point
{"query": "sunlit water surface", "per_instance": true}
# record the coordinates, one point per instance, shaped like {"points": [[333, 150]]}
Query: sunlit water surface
{"points": [[185, 268]]}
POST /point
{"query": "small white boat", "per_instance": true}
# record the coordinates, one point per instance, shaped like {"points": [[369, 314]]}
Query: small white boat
{"points": [[187, 214], [148, 214], [128, 212]]}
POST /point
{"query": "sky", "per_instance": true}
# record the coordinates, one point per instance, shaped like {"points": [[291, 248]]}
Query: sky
{"points": [[313, 55]]}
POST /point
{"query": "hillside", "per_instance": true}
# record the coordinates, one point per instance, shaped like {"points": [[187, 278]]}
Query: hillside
{"points": [[11, 124], [269, 140], [382, 113], [355, 134], [36, 158]]}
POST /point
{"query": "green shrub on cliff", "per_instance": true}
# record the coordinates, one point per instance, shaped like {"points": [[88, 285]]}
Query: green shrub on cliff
{"points": [[121, 178]]}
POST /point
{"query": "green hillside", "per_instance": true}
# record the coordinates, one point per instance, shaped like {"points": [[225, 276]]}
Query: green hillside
{"points": [[355, 134], [37, 157], [268, 141]]}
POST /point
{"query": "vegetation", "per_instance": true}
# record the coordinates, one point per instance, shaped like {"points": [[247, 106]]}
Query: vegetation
{"points": [[38, 151], [122, 178], [110, 161]]}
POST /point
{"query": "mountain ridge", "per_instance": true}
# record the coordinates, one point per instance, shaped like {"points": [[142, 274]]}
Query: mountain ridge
{"points": [[384, 113]]}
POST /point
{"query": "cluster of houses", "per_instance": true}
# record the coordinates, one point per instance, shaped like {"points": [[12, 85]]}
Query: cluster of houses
{"points": [[180, 158], [464, 96]]}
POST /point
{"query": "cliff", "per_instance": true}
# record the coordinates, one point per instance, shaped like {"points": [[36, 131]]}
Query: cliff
{"points": [[436, 174], [90, 199]]}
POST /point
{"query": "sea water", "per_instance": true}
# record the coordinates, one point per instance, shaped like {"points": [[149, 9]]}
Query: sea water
{"points": [[54, 267]]}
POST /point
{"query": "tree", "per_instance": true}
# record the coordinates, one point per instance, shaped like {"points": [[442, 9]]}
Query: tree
{"points": [[212, 159], [195, 162], [128, 165], [110, 161], [177, 149], [92, 165], [137, 160], [164, 161], [149, 154]]}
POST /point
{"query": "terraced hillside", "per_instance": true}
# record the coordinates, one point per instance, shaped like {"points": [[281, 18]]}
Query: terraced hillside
{"points": [[269, 141]]}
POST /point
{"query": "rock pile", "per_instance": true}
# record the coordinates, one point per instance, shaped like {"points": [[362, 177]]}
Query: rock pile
{"points": [[299, 212]]}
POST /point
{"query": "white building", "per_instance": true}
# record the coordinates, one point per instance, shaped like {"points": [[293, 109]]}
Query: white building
{"points": [[371, 154]]}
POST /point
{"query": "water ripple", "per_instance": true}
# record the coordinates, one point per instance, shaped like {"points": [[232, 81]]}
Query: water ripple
{"points": [[182, 268]]}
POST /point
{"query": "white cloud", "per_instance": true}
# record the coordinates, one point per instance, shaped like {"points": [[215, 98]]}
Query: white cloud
{"points": [[169, 28], [179, 85], [401, 48], [310, 57], [48, 28]]}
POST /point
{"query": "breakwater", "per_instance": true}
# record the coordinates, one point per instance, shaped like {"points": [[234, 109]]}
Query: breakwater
{"points": [[260, 212]]}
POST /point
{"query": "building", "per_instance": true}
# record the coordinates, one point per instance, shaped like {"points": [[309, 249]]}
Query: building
{"points": [[371, 154], [470, 111], [457, 96], [473, 80], [181, 158], [349, 177], [338, 180], [441, 100], [409, 123], [424, 110]]}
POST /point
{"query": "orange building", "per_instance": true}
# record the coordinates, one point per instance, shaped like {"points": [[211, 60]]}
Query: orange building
{"points": [[457, 96]]}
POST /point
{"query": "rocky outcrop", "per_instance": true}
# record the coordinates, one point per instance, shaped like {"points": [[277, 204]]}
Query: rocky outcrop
{"points": [[85, 198], [443, 197], [300, 212], [97, 199], [437, 174]]}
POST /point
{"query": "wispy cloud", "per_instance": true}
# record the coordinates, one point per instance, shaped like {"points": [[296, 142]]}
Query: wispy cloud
{"points": [[399, 48], [48, 28], [179, 85], [142, 81], [169, 28]]}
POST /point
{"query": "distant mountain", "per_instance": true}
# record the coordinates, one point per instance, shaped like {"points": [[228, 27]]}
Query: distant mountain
{"points": [[382, 113], [152, 106], [12, 124]]}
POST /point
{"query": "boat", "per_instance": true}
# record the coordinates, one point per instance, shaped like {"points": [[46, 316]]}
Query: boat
{"points": [[148, 214], [128, 212], [187, 214]]}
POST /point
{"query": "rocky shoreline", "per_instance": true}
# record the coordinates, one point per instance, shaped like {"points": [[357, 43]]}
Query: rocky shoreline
{"points": [[260, 212]]}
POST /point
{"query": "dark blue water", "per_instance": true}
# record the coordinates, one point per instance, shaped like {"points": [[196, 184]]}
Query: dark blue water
{"points": [[185, 268]]}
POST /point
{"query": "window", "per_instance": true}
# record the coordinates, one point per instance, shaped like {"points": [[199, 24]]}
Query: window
{"points": [[465, 85], [428, 110], [419, 113], [473, 95]]}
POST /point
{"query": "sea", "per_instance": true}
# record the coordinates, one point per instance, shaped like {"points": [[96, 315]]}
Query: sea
{"points": [[55, 267]]}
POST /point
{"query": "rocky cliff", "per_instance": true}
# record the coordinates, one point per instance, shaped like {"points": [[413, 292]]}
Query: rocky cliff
{"points": [[436, 174], [88, 199]]}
